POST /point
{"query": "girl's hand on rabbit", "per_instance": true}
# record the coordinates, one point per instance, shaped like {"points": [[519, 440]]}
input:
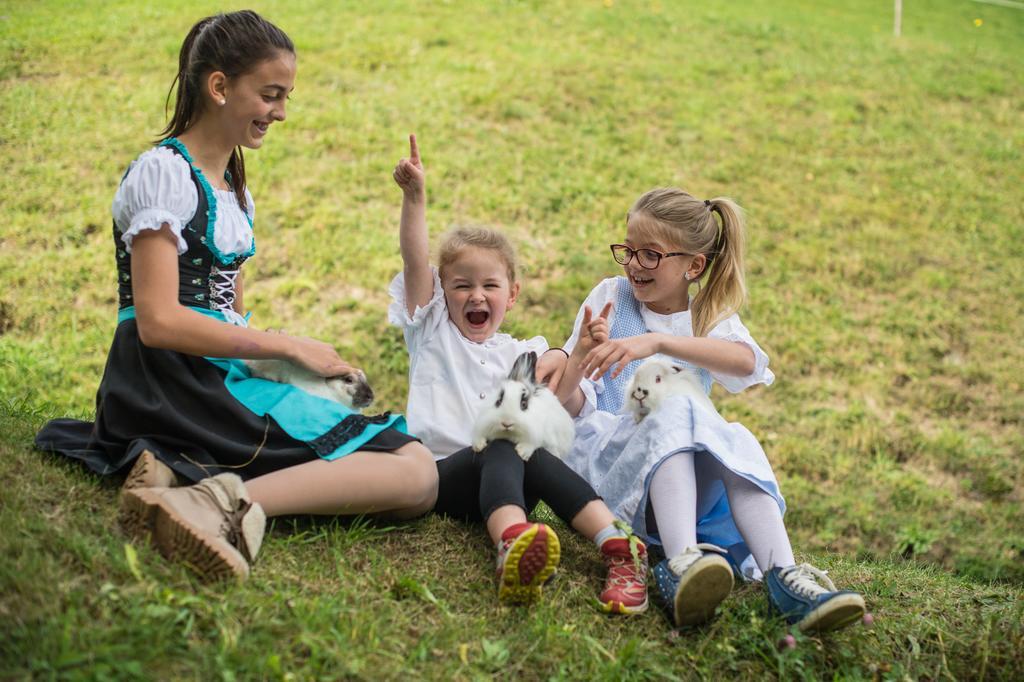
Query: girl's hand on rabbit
{"points": [[409, 173], [619, 353], [593, 330], [318, 357], [551, 367]]}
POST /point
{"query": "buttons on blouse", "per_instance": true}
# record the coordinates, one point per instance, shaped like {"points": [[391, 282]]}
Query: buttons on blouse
{"points": [[483, 362], [482, 396]]}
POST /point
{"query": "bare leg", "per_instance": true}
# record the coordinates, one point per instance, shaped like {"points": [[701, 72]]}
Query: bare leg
{"points": [[503, 517], [403, 483], [593, 518]]}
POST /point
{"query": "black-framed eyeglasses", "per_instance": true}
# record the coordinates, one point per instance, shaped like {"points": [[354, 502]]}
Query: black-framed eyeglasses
{"points": [[649, 259]]}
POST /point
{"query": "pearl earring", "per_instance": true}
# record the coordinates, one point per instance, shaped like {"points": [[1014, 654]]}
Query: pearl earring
{"points": [[688, 277], [222, 102]]}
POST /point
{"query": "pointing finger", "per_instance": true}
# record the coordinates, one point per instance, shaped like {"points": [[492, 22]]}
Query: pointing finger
{"points": [[606, 310], [414, 149]]}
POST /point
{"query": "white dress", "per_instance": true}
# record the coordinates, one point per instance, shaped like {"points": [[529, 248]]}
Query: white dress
{"points": [[618, 456], [449, 375]]}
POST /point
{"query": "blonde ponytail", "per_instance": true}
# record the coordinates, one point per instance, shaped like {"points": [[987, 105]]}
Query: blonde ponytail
{"points": [[724, 290]]}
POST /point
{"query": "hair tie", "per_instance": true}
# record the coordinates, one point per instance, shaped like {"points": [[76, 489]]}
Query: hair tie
{"points": [[707, 202]]}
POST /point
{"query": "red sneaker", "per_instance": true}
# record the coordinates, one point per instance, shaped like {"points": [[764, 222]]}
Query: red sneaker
{"points": [[625, 587], [527, 558]]}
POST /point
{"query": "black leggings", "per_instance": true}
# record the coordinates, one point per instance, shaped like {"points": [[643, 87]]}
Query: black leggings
{"points": [[473, 484]]}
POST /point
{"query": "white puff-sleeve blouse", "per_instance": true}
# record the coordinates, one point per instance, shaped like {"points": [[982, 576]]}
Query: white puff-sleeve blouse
{"points": [[158, 189], [676, 324]]}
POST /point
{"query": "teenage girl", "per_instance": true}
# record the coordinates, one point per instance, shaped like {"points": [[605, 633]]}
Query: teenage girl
{"points": [[701, 485], [171, 407]]}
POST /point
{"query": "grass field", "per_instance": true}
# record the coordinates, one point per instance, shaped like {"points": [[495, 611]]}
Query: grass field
{"points": [[883, 183]]}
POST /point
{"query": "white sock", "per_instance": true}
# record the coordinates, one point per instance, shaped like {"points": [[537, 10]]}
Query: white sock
{"points": [[674, 501], [607, 533]]}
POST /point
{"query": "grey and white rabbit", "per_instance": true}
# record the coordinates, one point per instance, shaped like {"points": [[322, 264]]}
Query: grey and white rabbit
{"points": [[350, 389], [657, 379], [524, 412]]}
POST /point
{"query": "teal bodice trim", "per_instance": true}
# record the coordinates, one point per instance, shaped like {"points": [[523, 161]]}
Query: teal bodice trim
{"points": [[211, 208], [307, 418]]}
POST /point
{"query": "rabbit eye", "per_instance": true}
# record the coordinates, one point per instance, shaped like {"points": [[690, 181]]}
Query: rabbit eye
{"points": [[524, 400], [657, 380], [501, 396]]}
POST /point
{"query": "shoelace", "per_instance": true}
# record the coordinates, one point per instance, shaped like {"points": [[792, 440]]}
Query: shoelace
{"points": [[231, 522], [622, 572], [804, 579], [681, 562]]}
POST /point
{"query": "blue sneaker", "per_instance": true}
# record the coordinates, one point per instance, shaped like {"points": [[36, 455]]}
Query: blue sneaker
{"points": [[693, 583], [806, 597]]}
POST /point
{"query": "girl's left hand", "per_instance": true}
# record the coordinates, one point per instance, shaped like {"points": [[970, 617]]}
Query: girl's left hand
{"points": [[619, 352]]}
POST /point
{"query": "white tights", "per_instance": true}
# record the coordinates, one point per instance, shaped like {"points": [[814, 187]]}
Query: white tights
{"points": [[681, 493]]}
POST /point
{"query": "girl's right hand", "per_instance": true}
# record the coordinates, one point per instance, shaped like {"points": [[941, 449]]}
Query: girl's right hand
{"points": [[318, 357], [409, 173], [593, 330]]}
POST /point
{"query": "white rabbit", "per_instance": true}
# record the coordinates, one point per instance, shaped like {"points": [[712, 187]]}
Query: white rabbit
{"points": [[657, 379], [526, 413], [350, 389]]}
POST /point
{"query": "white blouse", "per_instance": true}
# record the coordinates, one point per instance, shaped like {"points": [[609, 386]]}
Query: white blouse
{"points": [[676, 324], [449, 375], [158, 189]]}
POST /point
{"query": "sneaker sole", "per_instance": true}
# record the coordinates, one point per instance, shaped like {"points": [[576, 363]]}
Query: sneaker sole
{"points": [[145, 516], [529, 563], [706, 584], [149, 472], [836, 613], [621, 609]]}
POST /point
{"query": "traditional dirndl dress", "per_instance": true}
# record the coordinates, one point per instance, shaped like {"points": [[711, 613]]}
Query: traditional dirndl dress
{"points": [[619, 457], [200, 416]]}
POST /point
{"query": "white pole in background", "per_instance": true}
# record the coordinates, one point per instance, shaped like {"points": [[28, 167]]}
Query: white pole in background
{"points": [[897, 19]]}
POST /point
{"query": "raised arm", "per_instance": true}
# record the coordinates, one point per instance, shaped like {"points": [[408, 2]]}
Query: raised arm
{"points": [[164, 323], [412, 234]]}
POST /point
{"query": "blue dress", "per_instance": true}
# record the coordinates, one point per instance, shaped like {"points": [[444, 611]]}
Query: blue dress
{"points": [[619, 457]]}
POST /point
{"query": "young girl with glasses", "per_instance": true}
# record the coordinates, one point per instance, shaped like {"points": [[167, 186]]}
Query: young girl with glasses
{"points": [[687, 479], [175, 406], [451, 317]]}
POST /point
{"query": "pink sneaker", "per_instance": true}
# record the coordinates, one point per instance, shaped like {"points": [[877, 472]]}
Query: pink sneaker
{"points": [[625, 586], [527, 558]]}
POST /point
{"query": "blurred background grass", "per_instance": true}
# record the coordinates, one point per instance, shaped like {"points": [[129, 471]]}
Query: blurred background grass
{"points": [[881, 176]]}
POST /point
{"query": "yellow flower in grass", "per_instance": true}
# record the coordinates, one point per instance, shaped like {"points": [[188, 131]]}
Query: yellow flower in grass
{"points": [[978, 22]]}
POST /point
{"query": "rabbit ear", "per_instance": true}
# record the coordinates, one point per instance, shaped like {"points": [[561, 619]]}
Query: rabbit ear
{"points": [[524, 368]]}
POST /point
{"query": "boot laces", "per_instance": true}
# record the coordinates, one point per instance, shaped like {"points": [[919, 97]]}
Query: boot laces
{"points": [[230, 527], [806, 580]]}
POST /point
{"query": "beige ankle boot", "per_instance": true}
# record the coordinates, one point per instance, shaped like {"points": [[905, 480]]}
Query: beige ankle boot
{"points": [[149, 472], [212, 526]]}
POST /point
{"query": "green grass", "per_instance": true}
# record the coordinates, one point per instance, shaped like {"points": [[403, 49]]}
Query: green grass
{"points": [[882, 179]]}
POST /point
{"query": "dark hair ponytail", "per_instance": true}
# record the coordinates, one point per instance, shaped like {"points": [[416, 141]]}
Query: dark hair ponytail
{"points": [[233, 43]]}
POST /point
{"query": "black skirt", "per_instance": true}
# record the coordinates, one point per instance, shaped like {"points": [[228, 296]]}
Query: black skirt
{"points": [[177, 407]]}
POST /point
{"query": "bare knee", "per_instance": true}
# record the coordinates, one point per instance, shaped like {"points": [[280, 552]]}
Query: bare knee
{"points": [[420, 478]]}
